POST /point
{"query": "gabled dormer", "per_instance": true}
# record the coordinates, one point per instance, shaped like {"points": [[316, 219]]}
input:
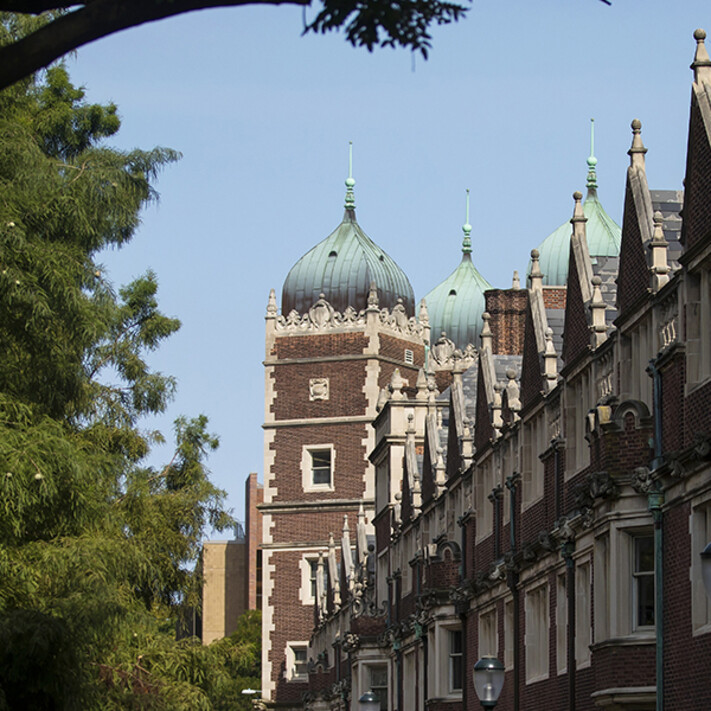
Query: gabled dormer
{"points": [[697, 186], [637, 232]]}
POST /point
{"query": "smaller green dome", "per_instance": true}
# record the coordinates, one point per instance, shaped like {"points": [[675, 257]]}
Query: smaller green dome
{"points": [[603, 234], [455, 306]]}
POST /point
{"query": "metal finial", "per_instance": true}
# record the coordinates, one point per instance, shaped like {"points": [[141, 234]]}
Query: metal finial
{"points": [[350, 183], [467, 229], [592, 160]]}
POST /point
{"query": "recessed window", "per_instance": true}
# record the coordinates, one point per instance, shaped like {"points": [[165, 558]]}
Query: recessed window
{"points": [[643, 574], [321, 467], [297, 661], [317, 467], [409, 356], [332, 254], [455, 660], [453, 292], [379, 685]]}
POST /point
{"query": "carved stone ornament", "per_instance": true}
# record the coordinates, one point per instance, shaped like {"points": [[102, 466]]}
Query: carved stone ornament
{"points": [[351, 642], [319, 389], [643, 482], [442, 349]]}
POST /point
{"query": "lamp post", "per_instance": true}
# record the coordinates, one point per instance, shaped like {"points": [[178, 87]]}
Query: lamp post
{"points": [[488, 681], [368, 702], [706, 568]]}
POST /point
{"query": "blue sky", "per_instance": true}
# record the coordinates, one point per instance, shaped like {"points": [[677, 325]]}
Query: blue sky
{"points": [[263, 117]]}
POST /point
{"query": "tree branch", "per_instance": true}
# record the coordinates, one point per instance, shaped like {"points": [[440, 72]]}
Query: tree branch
{"points": [[95, 19]]}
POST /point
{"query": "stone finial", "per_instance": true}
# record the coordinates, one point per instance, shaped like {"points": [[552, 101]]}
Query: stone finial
{"points": [[513, 394], [397, 383], [272, 305], [373, 301], [660, 268], [487, 337], [333, 572], [421, 385], [598, 327], [592, 160], [550, 358], [320, 587], [383, 398], [578, 214], [440, 474], [362, 538], [496, 420], [536, 275], [423, 315], [515, 282], [702, 63], [346, 555], [637, 150], [467, 443], [397, 509]]}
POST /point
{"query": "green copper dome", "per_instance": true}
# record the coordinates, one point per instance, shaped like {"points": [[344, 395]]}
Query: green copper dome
{"points": [[455, 306], [602, 232], [342, 268]]}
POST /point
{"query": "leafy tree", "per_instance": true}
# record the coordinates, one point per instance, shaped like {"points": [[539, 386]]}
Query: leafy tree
{"points": [[97, 550], [73, 23]]}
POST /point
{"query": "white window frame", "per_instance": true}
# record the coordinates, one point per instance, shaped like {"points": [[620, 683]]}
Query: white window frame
{"points": [[453, 658], [305, 590], [307, 479], [561, 622], [290, 670], [700, 530], [613, 582], [508, 633], [488, 633], [439, 661], [537, 637]]}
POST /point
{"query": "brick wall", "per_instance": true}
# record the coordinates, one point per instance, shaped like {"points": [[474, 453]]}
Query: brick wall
{"points": [[697, 184], [633, 277], [507, 308]]}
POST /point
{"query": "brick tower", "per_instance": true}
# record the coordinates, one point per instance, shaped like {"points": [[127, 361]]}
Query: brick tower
{"points": [[346, 326]]}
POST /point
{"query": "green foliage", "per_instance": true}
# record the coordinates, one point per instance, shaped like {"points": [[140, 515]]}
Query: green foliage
{"points": [[98, 551]]}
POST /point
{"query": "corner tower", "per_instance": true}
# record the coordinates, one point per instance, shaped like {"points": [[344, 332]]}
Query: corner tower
{"points": [[346, 326]]}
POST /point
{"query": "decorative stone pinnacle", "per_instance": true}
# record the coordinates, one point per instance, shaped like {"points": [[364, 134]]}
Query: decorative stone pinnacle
{"points": [[272, 304], [536, 274], [637, 150], [515, 282], [350, 182], [702, 63]]}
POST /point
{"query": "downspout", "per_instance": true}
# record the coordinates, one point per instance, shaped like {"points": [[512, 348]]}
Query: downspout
{"points": [[464, 612], [511, 483], [655, 501], [567, 552]]}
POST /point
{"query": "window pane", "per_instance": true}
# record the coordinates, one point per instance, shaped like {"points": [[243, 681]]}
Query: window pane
{"points": [[455, 660], [321, 466], [644, 554]]}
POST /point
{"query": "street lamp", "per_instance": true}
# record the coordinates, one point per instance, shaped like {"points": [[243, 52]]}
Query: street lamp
{"points": [[369, 702], [706, 568], [488, 680]]}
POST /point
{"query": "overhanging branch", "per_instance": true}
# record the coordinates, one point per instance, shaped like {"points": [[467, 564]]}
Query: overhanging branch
{"points": [[95, 19]]}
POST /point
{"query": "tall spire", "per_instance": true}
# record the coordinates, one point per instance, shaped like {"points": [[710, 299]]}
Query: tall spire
{"points": [[467, 229], [592, 160], [350, 183]]}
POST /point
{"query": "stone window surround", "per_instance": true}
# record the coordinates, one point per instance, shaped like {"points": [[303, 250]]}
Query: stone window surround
{"points": [[488, 621], [612, 591], [439, 671], [700, 534], [307, 464], [536, 638], [290, 652], [305, 589]]}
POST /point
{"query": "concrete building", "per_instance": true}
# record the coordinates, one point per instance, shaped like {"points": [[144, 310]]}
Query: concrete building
{"points": [[541, 495]]}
